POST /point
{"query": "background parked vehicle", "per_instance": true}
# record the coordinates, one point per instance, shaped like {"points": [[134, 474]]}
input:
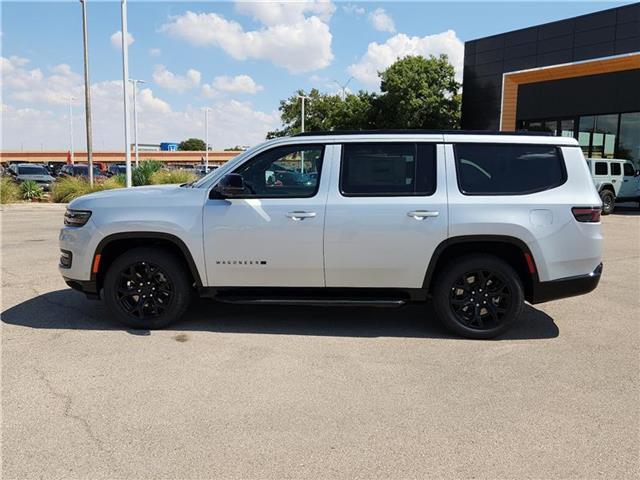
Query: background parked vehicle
{"points": [[80, 171], [617, 180], [116, 169], [23, 172]]}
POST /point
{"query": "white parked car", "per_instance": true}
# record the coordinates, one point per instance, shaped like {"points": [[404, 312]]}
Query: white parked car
{"points": [[616, 180], [478, 223]]}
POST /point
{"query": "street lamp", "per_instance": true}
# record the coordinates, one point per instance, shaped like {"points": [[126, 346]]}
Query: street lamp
{"points": [[135, 117], [71, 151], [302, 98], [343, 86], [206, 139], [125, 89], [87, 91]]}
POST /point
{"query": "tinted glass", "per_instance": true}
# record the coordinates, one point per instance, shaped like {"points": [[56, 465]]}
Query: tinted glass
{"points": [[32, 170], [629, 143], [283, 172], [628, 170], [615, 169], [601, 168], [388, 169], [485, 169]]}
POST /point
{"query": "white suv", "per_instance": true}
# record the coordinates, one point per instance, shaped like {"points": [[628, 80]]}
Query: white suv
{"points": [[616, 181], [478, 223]]}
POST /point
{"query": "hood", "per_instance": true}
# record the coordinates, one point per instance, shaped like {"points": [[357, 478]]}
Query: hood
{"points": [[36, 178], [132, 197]]}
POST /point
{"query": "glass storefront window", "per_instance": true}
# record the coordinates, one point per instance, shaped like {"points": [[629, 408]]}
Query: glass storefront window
{"points": [[585, 130], [604, 137], [629, 141], [566, 128]]}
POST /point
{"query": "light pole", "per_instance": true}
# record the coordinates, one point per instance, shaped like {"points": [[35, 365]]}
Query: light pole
{"points": [[206, 139], [302, 98], [87, 91], [71, 151], [135, 117], [343, 87], [125, 89]]}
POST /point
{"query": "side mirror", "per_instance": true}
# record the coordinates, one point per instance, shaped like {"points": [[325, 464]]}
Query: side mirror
{"points": [[637, 173], [230, 185]]}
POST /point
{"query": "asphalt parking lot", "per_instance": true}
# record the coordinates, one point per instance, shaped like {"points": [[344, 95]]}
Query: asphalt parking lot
{"points": [[291, 392]]}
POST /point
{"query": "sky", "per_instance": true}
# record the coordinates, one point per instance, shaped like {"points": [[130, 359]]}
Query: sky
{"points": [[237, 58]]}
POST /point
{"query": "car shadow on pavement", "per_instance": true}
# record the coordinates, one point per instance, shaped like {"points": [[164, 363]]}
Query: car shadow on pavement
{"points": [[67, 309]]}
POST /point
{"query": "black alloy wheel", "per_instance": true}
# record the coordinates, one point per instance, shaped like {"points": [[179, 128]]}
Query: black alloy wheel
{"points": [[147, 287], [480, 299], [144, 290], [478, 296]]}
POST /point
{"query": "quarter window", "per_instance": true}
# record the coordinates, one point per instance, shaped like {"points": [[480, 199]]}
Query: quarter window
{"points": [[628, 170], [488, 169], [283, 172], [601, 168], [388, 169]]}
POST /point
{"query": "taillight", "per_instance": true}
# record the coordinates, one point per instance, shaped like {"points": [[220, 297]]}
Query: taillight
{"points": [[586, 214]]}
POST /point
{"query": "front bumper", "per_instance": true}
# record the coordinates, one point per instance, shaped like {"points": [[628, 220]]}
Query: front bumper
{"points": [[89, 288], [566, 287]]}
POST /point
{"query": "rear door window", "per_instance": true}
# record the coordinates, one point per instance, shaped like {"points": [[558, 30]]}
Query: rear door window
{"points": [[615, 168], [388, 169], [500, 169], [628, 170]]}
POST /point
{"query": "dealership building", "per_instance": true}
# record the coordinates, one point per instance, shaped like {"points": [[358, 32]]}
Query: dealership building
{"points": [[577, 77]]}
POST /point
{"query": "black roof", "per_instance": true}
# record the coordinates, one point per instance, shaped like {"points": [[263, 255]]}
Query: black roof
{"points": [[420, 132]]}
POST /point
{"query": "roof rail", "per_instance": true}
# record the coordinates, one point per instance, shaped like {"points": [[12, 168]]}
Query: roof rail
{"points": [[419, 132]]}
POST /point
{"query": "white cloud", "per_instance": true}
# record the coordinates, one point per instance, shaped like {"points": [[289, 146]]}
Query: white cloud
{"points": [[155, 52], [299, 47], [380, 56], [224, 84], [178, 83], [116, 39], [352, 8], [41, 116], [269, 12], [382, 21]]}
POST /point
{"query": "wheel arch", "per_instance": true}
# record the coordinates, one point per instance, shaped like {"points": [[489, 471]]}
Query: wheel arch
{"points": [[606, 186], [511, 249], [112, 246]]}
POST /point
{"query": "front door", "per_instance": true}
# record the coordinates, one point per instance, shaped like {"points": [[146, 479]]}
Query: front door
{"points": [[271, 234], [386, 214], [629, 185]]}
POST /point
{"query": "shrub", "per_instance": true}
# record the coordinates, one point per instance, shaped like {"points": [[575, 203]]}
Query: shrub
{"points": [[141, 175], [172, 176], [66, 189], [30, 190], [117, 181], [9, 191]]}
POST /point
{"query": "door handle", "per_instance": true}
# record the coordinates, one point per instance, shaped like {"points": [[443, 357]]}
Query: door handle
{"points": [[422, 214], [299, 215]]}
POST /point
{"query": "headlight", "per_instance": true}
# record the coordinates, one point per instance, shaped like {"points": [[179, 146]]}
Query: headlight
{"points": [[76, 218]]}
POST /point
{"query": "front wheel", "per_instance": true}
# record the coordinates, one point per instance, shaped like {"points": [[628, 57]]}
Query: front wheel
{"points": [[608, 201], [478, 296], [147, 288]]}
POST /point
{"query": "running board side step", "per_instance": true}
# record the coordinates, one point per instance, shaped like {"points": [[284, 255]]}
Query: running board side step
{"points": [[316, 302]]}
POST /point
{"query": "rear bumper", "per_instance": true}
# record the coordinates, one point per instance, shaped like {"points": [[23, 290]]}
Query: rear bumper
{"points": [[566, 287]]}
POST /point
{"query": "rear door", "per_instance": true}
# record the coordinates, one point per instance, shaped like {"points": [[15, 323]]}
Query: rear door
{"points": [[386, 213]]}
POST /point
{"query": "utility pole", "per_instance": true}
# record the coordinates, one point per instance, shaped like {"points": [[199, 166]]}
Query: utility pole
{"points": [[125, 88], [343, 87], [135, 117], [206, 139], [71, 150], [302, 98], [87, 91]]}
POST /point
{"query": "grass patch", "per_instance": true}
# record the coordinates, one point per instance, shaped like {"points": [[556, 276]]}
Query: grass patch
{"points": [[9, 191], [66, 189], [172, 176]]}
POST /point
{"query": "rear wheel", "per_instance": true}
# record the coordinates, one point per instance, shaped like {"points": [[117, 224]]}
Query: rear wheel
{"points": [[608, 201], [147, 288], [478, 296]]}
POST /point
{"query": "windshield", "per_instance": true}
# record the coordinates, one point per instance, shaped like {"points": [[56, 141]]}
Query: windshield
{"points": [[32, 170], [223, 169]]}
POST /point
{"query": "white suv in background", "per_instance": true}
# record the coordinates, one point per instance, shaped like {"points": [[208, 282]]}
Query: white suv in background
{"points": [[478, 223], [616, 180]]}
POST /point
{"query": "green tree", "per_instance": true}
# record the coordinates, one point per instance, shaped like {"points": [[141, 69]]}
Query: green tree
{"points": [[418, 92], [192, 144]]}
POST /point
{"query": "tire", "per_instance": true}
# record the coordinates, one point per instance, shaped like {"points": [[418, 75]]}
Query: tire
{"points": [[156, 274], [608, 201], [459, 286]]}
